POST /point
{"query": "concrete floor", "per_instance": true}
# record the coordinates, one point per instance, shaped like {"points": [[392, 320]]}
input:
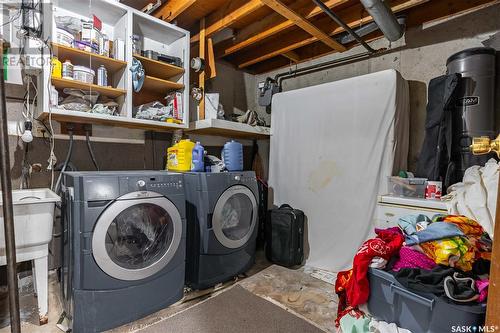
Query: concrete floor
{"points": [[293, 290]]}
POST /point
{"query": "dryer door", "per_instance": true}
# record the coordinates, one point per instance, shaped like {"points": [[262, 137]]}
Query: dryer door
{"points": [[137, 236], [235, 217]]}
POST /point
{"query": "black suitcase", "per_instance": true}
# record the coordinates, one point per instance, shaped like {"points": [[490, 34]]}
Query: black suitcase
{"points": [[285, 236]]}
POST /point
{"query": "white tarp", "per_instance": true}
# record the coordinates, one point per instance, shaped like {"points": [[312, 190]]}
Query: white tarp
{"points": [[332, 148]]}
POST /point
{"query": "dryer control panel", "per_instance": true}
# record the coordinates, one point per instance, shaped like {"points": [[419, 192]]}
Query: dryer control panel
{"points": [[244, 178]]}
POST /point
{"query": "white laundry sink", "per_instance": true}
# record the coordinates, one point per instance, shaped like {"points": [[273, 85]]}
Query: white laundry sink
{"points": [[33, 217], [33, 220]]}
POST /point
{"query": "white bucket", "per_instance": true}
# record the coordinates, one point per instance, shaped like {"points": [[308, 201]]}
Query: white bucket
{"points": [[84, 74], [64, 37]]}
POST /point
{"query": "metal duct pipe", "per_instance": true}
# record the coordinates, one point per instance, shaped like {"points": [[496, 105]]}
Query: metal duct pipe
{"points": [[385, 19], [345, 37], [8, 210]]}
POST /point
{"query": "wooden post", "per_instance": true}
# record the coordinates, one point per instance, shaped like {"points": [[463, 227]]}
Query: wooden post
{"points": [[493, 308], [201, 106], [211, 58]]}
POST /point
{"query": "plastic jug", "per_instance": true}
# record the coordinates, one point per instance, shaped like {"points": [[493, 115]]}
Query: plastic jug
{"points": [[198, 163], [179, 157], [232, 155]]}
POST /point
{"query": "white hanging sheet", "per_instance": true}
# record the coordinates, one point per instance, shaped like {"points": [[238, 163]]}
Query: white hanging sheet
{"points": [[332, 148]]}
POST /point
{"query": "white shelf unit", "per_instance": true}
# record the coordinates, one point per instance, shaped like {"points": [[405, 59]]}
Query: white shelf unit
{"points": [[119, 21], [219, 127]]}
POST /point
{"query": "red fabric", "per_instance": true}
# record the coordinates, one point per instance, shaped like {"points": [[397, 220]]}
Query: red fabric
{"points": [[352, 286], [384, 246], [340, 289]]}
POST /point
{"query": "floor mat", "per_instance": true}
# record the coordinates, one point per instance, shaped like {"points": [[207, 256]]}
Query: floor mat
{"points": [[235, 310]]}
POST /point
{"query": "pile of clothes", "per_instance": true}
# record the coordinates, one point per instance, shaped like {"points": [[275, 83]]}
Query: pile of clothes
{"points": [[448, 256]]}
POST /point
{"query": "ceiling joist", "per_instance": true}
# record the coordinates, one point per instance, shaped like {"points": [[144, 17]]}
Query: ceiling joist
{"points": [[173, 8], [304, 24], [292, 55], [269, 34], [226, 16], [353, 16], [433, 11], [273, 24]]}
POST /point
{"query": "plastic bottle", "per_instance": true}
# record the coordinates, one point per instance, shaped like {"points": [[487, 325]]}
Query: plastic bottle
{"points": [[232, 155], [67, 70], [179, 156], [56, 68], [198, 163]]}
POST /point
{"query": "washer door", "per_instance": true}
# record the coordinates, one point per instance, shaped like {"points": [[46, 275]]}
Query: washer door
{"points": [[235, 216], [137, 236]]}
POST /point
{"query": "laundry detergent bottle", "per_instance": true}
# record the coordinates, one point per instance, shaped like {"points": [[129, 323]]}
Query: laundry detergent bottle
{"points": [[232, 156], [198, 163], [179, 156]]}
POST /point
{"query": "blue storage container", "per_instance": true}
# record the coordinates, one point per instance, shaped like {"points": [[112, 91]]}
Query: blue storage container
{"points": [[418, 312], [198, 160], [232, 155]]}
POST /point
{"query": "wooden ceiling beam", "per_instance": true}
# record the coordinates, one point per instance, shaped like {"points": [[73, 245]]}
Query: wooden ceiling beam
{"points": [[228, 15], [173, 8], [273, 24], [436, 10], [292, 55], [304, 24], [353, 16]]}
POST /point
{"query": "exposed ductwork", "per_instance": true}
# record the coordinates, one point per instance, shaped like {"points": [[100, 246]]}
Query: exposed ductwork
{"points": [[385, 18], [345, 37]]}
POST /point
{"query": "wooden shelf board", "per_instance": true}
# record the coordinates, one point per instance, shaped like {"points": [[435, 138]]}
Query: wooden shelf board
{"points": [[158, 69], [159, 86], [62, 115], [106, 91], [155, 89], [83, 58], [227, 128]]}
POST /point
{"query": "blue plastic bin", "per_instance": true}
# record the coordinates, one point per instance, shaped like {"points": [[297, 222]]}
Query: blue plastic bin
{"points": [[418, 312]]}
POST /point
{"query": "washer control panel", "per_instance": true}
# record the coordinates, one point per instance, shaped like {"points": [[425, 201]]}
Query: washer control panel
{"points": [[176, 184]]}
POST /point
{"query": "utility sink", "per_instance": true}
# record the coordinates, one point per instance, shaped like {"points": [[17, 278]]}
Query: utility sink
{"points": [[33, 220]]}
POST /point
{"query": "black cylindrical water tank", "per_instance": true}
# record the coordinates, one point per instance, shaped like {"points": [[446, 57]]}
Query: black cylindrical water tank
{"points": [[474, 104]]}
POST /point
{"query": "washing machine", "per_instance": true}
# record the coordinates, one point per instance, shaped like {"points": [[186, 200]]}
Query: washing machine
{"points": [[124, 246], [222, 211]]}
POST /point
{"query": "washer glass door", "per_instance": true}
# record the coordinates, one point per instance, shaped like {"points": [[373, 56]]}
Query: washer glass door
{"points": [[235, 216], [137, 236]]}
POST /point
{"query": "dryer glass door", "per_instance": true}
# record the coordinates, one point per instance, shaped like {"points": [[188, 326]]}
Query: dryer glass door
{"points": [[136, 238], [235, 216]]}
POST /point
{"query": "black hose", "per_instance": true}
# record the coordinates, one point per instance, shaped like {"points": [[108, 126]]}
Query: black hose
{"points": [[66, 161], [92, 156]]}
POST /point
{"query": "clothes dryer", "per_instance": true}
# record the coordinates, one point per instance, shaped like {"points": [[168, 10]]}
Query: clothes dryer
{"points": [[222, 211]]}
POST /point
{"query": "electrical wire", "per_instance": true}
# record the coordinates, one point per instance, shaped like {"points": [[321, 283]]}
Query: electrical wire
{"points": [[28, 114]]}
